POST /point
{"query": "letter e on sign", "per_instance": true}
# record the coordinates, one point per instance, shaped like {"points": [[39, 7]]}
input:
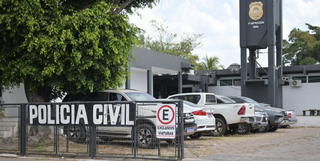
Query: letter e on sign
{"points": [[166, 122]]}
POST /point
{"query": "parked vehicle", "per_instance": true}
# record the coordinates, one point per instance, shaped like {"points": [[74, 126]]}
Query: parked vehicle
{"points": [[260, 120], [146, 126], [276, 115], [227, 115], [203, 117], [291, 117]]}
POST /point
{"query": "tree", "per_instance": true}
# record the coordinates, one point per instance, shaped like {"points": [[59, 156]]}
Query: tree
{"points": [[170, 43], [209, 63], [302, 47], [57, 46]]}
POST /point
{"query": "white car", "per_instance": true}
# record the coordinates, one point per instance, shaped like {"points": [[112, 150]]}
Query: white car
{"points": [[203, 117]]}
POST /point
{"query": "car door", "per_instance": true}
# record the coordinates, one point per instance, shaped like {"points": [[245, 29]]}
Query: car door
{"points": [[115, 97]]}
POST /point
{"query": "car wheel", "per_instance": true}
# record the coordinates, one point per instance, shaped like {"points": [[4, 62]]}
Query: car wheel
{"points": [[146, 136], [221, 128], [243, 128], [76, 133], [264, 128], [195, 135], [273, 129]]}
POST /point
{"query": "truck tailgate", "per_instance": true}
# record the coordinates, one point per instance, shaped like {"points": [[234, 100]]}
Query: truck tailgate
{"points": [[250, 109], [208, 109]]}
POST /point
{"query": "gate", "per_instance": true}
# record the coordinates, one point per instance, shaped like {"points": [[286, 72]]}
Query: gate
{"points": [[94, 129]]}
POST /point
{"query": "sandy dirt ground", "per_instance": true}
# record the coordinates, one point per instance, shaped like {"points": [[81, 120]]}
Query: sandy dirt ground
{"points": [[286, 144]]}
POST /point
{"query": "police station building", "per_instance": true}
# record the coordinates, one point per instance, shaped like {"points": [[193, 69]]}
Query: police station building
{"points": [[162, 75]]}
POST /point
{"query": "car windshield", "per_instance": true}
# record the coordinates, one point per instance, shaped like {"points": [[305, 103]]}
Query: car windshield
{"points": [[227, 100], [252, 101], [191, 104], [140, 96]]}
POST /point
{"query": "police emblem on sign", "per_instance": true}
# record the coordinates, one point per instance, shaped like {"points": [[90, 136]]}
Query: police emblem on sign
{"points": [[256, 10]]}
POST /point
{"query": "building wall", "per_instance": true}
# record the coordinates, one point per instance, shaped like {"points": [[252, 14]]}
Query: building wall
{"points": [[15, 95], [300, 98], [139, 80], [294, 98], [225, 90]]}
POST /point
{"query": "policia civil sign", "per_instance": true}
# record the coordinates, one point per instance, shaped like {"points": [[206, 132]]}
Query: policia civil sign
{"points": [[100, 114], [166, 121]]}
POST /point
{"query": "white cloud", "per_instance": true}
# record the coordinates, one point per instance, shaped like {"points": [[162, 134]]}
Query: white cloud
{"points": [[219, 22], [296, 13]]}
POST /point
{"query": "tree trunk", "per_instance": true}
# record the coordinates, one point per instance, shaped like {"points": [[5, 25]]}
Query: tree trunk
{"points": [[40, 95]]}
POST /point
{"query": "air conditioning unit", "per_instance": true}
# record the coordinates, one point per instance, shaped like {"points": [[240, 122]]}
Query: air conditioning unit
{"points": [[296, 83]]}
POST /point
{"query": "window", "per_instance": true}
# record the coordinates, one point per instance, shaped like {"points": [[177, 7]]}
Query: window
{"points": [[137, 96], [211, 99], [313, 79], [302, 78], [237, 82], [219, 101], [116, 97], [97, 96], [178, 97], [72, 97], [226, 82], [193, 98], [225, 100]]}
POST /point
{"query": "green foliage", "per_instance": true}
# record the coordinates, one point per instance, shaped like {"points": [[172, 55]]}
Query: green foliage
{"points": [[209, 63], [1, 112], [170, 43], [302, 47], [66, 46]]}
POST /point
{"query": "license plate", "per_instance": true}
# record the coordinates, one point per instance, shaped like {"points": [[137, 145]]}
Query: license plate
{"points": [[190, 129], [210, 115]]}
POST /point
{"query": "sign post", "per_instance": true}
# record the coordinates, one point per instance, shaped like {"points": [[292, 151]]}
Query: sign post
{"points": [[166, 122]]}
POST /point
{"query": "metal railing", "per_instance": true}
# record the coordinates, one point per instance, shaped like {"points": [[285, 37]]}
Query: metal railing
{"points": [[93, 129]]}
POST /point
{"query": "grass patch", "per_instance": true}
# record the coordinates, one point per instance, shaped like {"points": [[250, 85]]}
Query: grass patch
{"points": [[41, 149]]}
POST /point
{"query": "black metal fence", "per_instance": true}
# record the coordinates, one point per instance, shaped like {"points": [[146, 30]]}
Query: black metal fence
{"points": [[94, 129]]}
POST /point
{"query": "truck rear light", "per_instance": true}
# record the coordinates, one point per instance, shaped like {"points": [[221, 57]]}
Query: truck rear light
{"points": [[200, 112], [289, 115], [242, 110]]}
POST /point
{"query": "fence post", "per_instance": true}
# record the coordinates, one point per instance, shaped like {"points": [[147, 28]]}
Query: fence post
{"points": [[23, 129], [93, 141], [181, 125]]}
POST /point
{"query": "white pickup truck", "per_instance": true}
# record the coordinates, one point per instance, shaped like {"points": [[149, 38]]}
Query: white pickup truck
{"points": [[228, 116]]}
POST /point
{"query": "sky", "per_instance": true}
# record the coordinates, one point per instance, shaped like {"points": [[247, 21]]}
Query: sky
{"points": [[218, 20]]}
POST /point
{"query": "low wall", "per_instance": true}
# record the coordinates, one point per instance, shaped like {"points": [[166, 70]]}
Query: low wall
{"points": [[307, 121]]}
